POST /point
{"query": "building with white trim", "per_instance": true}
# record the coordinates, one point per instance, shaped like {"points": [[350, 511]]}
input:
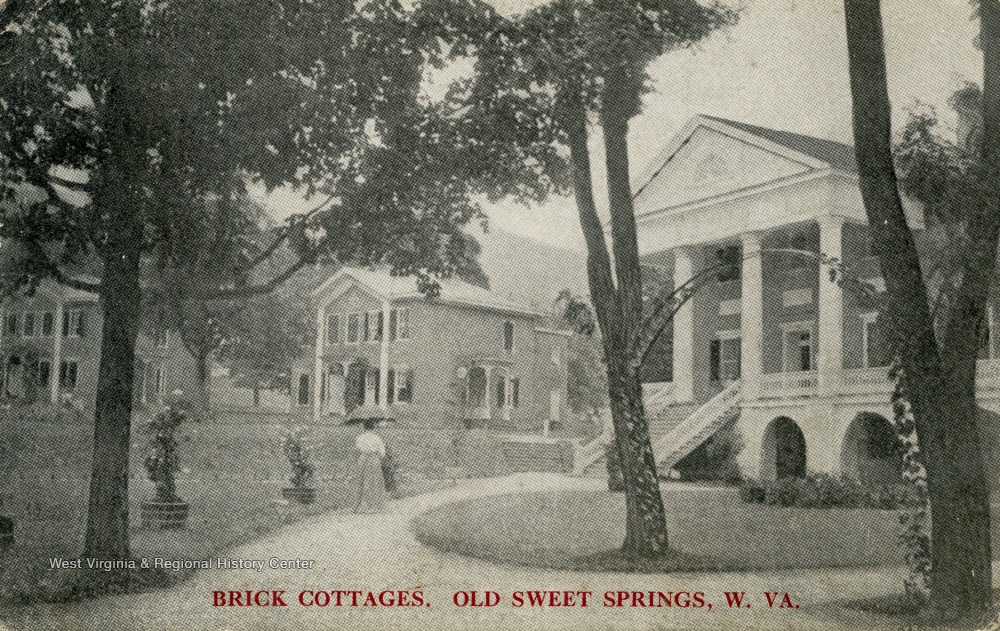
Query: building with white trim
{"points": [[800, 360], [467, 356]]}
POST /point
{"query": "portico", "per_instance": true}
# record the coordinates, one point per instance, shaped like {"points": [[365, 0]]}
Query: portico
{"points": [[776, 213]]}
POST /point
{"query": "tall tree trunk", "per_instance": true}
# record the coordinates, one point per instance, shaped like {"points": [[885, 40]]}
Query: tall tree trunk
{"points": [[618, 311], [118, 194], [107, 535], [646, 526], [941, 387]]}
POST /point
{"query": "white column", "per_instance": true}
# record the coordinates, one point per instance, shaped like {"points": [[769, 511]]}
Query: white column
{"points": [[317, 385], [57, 319], [751, 315], [383, 391], [830, 304], [683, 364]]}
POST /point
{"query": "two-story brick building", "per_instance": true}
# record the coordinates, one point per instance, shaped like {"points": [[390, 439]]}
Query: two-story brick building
{"points": [[467, 355], [50, 347], [799, 360]]}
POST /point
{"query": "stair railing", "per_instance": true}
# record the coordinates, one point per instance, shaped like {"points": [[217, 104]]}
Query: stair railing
{"points": [[713, 411]]}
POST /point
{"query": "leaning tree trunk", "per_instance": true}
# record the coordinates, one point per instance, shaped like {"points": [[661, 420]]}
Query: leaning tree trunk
{"points": [[619, 314], [941, 386], [645, 524]]}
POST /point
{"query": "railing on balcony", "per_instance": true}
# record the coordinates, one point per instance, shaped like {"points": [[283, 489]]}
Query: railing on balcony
{"points": [[788, 384], [867, 381]]}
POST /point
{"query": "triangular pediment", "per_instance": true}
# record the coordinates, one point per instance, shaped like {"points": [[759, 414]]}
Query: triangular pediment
{"points": [[709, 158]]}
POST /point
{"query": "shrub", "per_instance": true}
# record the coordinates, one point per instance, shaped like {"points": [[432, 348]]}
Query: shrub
{"points": [[822, 490], [752, 491]]}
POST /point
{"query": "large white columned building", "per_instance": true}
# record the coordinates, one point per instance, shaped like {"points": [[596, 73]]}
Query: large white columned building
{"points": [[799, 360]]}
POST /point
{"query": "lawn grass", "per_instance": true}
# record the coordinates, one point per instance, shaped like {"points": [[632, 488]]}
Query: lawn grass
{"points": [[232, 475], [710, 529]]}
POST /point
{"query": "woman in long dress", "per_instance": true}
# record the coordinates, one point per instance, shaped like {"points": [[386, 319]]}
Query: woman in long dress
{"points": [[371, 494]]}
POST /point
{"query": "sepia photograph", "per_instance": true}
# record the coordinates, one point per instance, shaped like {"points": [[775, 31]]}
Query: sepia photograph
{"points": [[499, 314]]}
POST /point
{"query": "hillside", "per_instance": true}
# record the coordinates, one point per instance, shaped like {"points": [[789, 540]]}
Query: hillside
{"points": [[528, 271]]}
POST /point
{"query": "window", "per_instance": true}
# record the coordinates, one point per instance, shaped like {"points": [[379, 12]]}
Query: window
{"points": [[159, 382], [476, 393], [508, 392], [29, 324], [303, 395], [875, 343], [501, 398], [353, 328], [333, 329], [728, 259], [374, 326], [74, 323], [161, 339], [372, 378], [508, 336], [10, 324], [798, 349], [805, 351], [47, 324], [725, 357], [68, 374], [43, 371], [404, 385], [399, 324]]}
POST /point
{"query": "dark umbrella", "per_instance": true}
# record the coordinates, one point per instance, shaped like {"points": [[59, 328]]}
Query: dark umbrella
{"points": [[364, 413]]}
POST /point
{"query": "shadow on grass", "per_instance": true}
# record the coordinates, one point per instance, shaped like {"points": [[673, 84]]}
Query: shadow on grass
{"points": [[710, 530]]}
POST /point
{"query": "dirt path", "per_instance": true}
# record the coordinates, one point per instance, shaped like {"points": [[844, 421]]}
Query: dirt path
{"points": [[374, 553]]}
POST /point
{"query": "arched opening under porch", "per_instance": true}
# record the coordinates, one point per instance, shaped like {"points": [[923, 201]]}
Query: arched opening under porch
{"points": [[872, 452], [784, 450]]}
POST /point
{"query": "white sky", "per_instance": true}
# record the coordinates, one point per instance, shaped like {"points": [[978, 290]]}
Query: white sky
{"points": [[783, 66]]}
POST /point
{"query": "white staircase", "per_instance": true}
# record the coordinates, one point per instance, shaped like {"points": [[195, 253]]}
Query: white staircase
{"points": [[670, 448]]}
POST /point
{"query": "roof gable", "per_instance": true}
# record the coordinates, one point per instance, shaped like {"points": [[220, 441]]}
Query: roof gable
{"points": [[393, 288], [713, 156]]}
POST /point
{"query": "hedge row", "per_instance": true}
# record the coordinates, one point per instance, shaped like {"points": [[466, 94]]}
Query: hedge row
{"points": [[820, 490]]}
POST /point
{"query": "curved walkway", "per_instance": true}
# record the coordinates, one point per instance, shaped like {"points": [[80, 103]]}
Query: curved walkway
{"points": [[355, 552]]}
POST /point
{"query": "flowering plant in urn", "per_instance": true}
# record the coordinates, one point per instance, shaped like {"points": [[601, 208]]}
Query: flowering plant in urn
{"points": [[296, 450], [162, 458]]}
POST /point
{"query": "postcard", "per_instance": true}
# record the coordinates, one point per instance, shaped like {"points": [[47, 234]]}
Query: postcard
{"points": [[499, 314]]}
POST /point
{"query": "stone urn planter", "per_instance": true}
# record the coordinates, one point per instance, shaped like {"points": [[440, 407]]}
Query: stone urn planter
{"points": [[6, 533], [171, 515], [300, 494], [162, 462], [296, 448]]}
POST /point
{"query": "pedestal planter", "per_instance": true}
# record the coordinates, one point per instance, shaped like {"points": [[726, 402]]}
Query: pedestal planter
{"points": [[164, 514], [6, 533], [300, 494]]}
